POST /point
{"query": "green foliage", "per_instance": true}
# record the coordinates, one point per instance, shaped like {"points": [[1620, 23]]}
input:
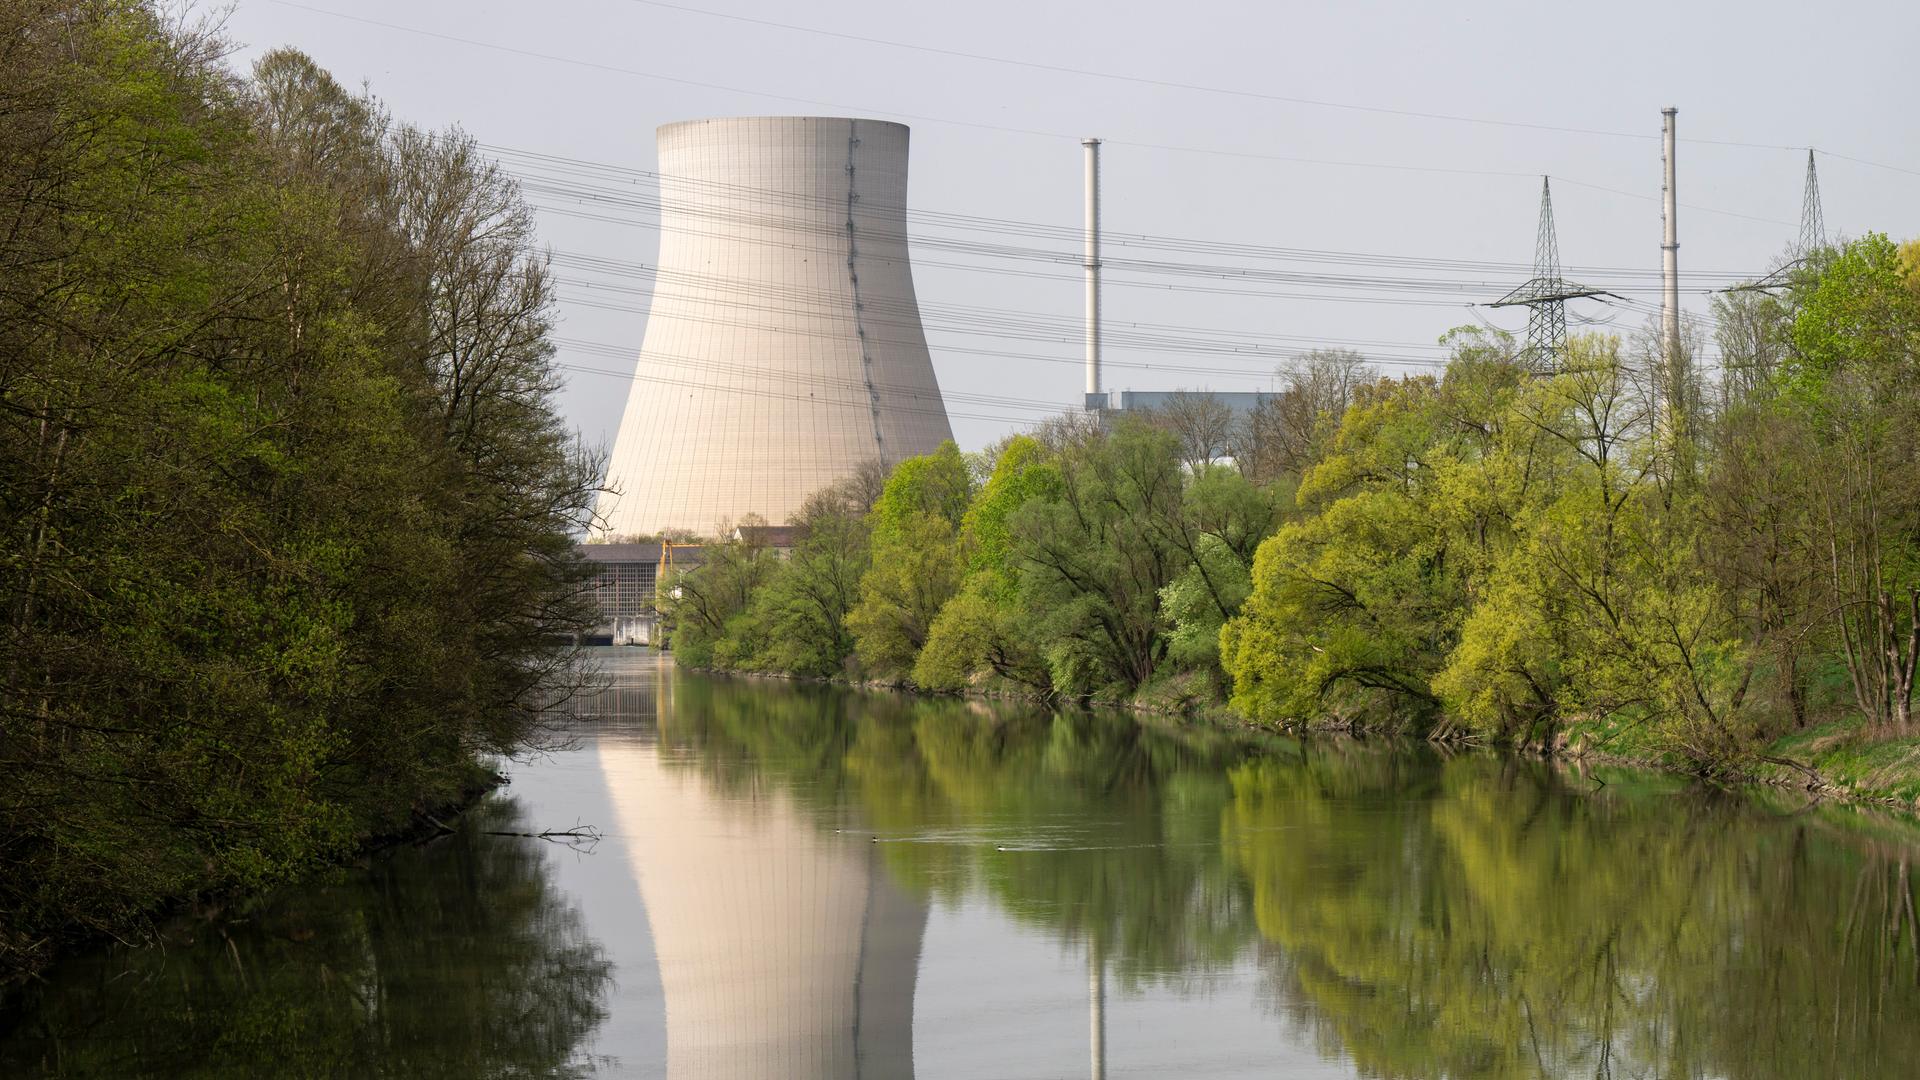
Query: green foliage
{"points": [[807, 604], [1093, 561], [288, 508], [918, 560], [708, 605], [1853, 406], [1021, 473], [1055, 577], [917, 565], [1355, 605], [985, 628], [1494, 552], [1224, 516], [936, 485], [1860, 312]]}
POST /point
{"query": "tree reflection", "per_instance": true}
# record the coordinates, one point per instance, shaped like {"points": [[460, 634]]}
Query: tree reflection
{"points": [[1420, 914], [1505, 925], [455, 959], [1093, 826]]}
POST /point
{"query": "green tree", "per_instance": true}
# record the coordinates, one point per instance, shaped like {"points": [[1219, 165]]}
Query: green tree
{"points": [[1222, 520], [918, 561], [1853, 384], [1093, 560], [287, 504], [806, 604], [708, 604], [1354, 605], [986, 627]]}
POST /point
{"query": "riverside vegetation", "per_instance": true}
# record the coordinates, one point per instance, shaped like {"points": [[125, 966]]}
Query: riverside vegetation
{"points": [[287, 506], [1620, 555]]}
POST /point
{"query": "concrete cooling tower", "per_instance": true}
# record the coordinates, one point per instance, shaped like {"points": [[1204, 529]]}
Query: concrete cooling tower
{"points": [[783, 346]]}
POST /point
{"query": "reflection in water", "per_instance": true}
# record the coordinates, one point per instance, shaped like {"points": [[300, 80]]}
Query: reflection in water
{"points": [[1097, 1014], [784, 949], [1418, 914], [1505, 925], [817, 865], [452, 960]]}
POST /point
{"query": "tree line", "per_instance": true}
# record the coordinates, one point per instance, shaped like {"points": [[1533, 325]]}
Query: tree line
{"points": [[287, 506], [1619, 546]]}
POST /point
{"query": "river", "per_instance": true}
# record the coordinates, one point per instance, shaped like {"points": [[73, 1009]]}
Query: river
{"points": [[795, 881]]}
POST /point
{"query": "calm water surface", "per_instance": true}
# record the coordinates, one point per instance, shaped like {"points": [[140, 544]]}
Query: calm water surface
{"points": [[798, 882]]}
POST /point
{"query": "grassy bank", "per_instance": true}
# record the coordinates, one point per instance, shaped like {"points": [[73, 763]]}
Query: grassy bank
{"points": [[1851, 761]]}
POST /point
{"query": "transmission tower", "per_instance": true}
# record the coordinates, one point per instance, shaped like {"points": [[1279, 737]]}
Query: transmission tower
{"points": [[1813, 237], [1545, 296], [1813, 224]]}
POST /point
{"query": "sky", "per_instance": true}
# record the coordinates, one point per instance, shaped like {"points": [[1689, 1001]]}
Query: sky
{"points": [[1377, 166]]}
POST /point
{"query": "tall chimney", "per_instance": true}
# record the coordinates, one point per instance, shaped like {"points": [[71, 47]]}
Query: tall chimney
{"points": [[1092, 264], [1670, 250]]}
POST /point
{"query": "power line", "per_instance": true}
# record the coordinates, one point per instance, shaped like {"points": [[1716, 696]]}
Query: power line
{"points": [[701, 84], [1165, 84], [554, 163], [950, 219], [810, 301], [1124, 342], [1257, 95], [629, 198]]}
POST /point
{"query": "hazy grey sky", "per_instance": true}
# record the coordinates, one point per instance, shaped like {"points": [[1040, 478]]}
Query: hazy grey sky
{"points": [[1433, 195]]}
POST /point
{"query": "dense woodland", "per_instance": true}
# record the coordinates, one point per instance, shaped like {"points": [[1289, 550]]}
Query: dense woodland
{"points": [[1622, 547], [287, 509]]}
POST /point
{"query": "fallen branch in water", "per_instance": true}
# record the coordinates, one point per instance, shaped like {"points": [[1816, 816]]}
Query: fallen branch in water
{"points": [[578, 832], [579, 838]]}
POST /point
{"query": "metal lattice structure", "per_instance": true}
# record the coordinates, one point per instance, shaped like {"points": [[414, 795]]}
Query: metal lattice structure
{"points": [[1813, 224], [1813, 237], [1545, 295]]}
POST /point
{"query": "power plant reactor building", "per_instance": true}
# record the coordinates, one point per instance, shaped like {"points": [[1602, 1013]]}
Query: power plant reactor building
{"points": [[783, 346]]}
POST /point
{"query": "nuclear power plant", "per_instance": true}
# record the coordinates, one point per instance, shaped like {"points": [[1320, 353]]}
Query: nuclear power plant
{"points": [[783, 346]]}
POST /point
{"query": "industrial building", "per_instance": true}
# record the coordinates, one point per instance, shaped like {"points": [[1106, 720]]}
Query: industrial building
{"points": [[783, 346], [625, 587], [1239, 402]]}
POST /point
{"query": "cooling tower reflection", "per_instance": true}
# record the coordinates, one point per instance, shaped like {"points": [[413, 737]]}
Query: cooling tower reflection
{"points": [[784, 950]]}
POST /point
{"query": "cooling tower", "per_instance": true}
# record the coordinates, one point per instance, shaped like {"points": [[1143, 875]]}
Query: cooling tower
{"points": [[783, 346]]}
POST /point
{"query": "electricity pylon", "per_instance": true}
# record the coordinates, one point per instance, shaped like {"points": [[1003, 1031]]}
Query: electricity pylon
{"points": [[1813, 224], [1813, 237], [1546, 294]]}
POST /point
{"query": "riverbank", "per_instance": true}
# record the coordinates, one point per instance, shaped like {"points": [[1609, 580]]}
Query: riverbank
{"points": [[1837, 761]]}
